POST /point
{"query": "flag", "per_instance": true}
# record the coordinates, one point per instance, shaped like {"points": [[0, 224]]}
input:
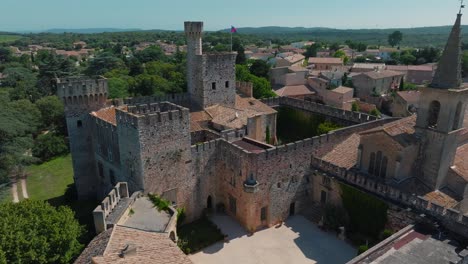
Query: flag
{"points": [[233, 29]]}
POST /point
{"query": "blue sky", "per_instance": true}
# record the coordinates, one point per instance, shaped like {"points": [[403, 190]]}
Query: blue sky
{"points": [[217, 14]]}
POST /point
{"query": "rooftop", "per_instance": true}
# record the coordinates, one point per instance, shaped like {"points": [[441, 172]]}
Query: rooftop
{"points": [[342, 90], [252, 145], [315, 60], [460, 165], [401, 130], [411, 97], [294, 90], [441, 198], [344, 154], [382, 74], [141, 246], [413, 246]]}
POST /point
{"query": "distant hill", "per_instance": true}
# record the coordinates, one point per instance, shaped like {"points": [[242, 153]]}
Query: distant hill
{"points": [[416, 37], [89, 30]]}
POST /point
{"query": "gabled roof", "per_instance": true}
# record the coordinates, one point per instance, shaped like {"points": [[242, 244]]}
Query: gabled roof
{"points": [[448, 73], [382, 74], [401, 131], [294, 90], [315, 60]]}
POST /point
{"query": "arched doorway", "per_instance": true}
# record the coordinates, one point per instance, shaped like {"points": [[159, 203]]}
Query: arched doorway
{"points": [[209, 202]]}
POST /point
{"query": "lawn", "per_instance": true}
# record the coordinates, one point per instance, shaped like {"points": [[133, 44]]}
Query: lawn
{"points": [[198, 235], [50, 179], [9, 38]]}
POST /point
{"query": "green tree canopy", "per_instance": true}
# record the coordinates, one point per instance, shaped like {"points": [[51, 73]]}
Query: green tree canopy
{"points": [[104, 62], [260, 68], [36, 232], [261, 86], [52, 112], [395, 38], [48, 146], [152, 53], [118, 88]]}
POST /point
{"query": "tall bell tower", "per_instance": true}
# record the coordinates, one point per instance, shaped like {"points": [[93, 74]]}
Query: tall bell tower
{"points": [[441, 113]]}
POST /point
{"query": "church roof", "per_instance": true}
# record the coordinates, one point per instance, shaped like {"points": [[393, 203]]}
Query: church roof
{"points": [[402, 131], [448, 73]]}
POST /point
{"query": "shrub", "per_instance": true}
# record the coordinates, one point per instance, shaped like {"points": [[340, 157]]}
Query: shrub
{"points": [[386, 234], [374, 112], [335, 217], [355, 107], [48, 146], [160, 203], [180, 216], [362, 249]]}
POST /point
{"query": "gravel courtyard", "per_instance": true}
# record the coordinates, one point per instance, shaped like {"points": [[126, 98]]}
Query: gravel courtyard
{"points": [[297, 241]]}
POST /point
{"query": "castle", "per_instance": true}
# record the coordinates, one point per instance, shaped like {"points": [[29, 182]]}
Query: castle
{"points": [[213, 146]]}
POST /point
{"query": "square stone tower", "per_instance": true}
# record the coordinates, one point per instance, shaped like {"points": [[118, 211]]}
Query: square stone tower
{"points": [[211, 77], [82, 95]]}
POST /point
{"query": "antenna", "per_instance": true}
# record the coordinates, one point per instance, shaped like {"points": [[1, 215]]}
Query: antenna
{"points": [[461, 5]]}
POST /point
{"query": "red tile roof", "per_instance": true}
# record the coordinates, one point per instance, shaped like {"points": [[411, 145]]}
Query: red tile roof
{"points": [[319, 60], [294, 90], [460, 165], [411, 97], [402, 131], [344, 154]]}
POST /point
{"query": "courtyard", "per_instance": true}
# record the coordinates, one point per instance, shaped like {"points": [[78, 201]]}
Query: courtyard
{"points": [[296, 241]]}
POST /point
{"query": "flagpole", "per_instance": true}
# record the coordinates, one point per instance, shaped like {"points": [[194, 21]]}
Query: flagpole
{"points": [[231, 40]]}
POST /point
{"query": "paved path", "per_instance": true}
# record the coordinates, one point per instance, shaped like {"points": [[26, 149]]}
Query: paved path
{"points": [[24, 189], [297, 241], [14, 192]]}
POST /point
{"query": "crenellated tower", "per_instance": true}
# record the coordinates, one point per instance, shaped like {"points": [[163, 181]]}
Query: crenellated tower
{"points": [[82, 95], [441, 113], [211, 77]]}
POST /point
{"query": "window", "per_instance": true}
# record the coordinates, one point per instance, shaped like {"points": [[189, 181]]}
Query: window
{"points": [[213, 85], [101, 170], [263, 213], [433, 116], [372, 163], [378, 163], [278, 185], [79, 123], [458, 112], [226, 84]]}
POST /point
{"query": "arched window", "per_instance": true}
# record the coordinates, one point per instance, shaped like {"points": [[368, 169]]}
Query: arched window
{"points": [[433, 116], [383, 171], [372, 163], [378, 163], [456, 121]]}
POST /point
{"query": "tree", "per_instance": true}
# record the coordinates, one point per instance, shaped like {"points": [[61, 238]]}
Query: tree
{"points": [[311, 51], [465, 63], [407, 59], [5, 55], [35, 232], [261, 86], [135, 67], [335, 46], [52, 112], [152, 53], [48, 146], [104, 62], [51, 67], [395, 38], [118, 88], [341, 54], [260, 68], [354, 107]]}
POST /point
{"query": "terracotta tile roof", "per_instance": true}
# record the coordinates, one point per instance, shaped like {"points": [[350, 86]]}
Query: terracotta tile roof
{"points": [[411, 97], [382, 74], [151, 248], [460, 165], [342, 90], [108, 114], [318, 60], [198, 120], [402, 131], [294, 90], [344, 154], [441, 199], [96, 247], [251, 145], [246, 107], [369, 65]]}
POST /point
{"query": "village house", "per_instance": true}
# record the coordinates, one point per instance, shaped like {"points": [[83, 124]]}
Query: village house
{"points": [[324, 64], [371, 86], [367, 67], [405, 103], [416, 74], [291, 60]]}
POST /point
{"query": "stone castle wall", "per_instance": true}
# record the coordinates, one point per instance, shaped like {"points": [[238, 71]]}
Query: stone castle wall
{"points": [[451, 219]]}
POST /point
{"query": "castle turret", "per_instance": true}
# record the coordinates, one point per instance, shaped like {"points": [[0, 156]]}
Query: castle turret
{"points": [[82, 95], [441, 113], [193, 33], [211, 78]]}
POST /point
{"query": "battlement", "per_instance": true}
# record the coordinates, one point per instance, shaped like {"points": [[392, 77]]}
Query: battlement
{"points": [[152, 114], [193, 28], [353, 117], [217, 57], [180, 99], [451, 218], [245, 88], [81, 86]]}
